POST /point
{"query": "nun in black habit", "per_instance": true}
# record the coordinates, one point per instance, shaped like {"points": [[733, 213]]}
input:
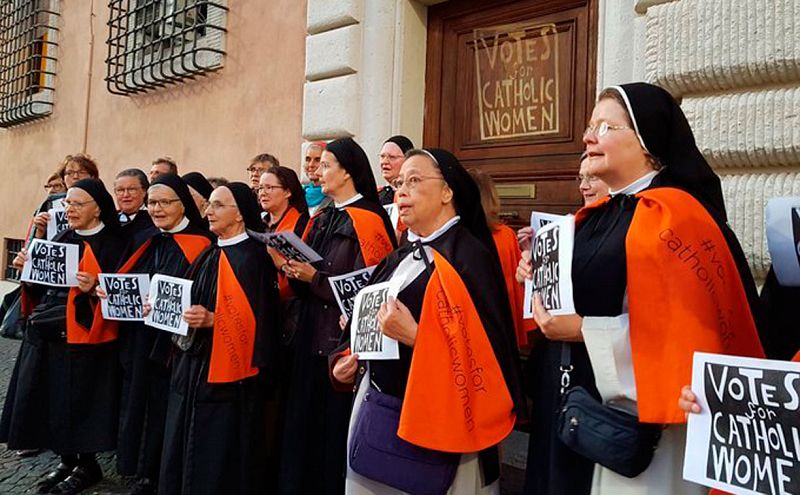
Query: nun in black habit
{"points": [[176, 239], [453, 319], [392, 155], [64, 389], [214, 440], [351, 234]]}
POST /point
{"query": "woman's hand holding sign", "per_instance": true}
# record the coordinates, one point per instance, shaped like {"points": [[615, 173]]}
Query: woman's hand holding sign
{"points": [[20, 259], [198, 316], [86, 281], [303, 272], [396, 321], [524, 268], [566, 328], [344, 371], [40, 221]]}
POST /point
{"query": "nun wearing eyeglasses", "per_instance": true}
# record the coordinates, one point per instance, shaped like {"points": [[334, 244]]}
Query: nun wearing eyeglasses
{"points": [[352, 233], [215, 428], [657, 275], [456, 385], [178, 238], [64, 388]]}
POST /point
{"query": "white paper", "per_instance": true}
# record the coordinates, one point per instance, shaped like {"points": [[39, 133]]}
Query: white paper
{"points": [[51, 263], [539, 219], [749, 394], [551, 257], [783, 238], [57, 223], [366, 339], [346, 287], [125, 295], [288, 245], [394, 214], [169, 297]]}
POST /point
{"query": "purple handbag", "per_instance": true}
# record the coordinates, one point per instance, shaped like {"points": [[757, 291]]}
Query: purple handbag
{"points": [[377, 453]]}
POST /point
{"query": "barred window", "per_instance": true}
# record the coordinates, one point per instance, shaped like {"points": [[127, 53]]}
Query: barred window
{"points": [[13, 247], [153, 43], [28, 42]]}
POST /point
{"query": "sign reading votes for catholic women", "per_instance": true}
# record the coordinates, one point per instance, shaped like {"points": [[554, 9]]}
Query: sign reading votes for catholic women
{"points": [[366, 338], [518, 80], [51, 263], [746, 440], [345, 287], [125, 294], [169, 298], [551, 263]]}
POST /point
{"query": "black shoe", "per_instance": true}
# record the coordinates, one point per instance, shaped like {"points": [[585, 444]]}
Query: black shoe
{"points": [[143, 486], [53, 478], [28, 452], [81, 478]]}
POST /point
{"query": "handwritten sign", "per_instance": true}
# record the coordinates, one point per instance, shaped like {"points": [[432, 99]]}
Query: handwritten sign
{"points": [[783, 238], [551, 260], [518, 80], [366, 338], [346, 287], [288, 245], [539, 219], [57, 223], [746, 440], [169, 298], [125, 295], [51, 263]]}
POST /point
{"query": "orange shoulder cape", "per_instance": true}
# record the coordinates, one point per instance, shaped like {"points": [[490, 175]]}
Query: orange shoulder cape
{"points": [[374, 240], [101, 330], [287, 223], [234, 329], [456, 399], [505, 239], [684, 295]]}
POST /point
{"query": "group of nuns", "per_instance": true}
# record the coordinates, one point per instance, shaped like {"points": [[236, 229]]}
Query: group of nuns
{"points": [[263, 394]]}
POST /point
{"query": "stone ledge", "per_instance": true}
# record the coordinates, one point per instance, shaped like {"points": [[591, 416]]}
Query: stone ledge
{"points": [[696, 46], [325, 15], [329, 109], [747, 129], [333, 53]]}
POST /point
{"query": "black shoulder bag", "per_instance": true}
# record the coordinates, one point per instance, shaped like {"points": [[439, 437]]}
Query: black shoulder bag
{"points": [[607, 436]]}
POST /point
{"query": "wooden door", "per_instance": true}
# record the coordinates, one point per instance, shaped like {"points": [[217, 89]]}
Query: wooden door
{"points": [[509, 89]]}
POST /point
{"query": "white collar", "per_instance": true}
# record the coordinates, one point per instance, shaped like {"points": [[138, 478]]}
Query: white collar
{"points": [[181, 225], [233, 240], [92, 231], [349, 201], [638, 185], [412, 237]]}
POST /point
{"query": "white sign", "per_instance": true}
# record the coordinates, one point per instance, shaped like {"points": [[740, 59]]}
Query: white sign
{"points": [[169, 297], [57, 223], [366, 338], [51, 263], [288, 245], [539, 219], [394, 214], [783, 237], [346, 287], [125, 295], [551, 261], [746, 439]]}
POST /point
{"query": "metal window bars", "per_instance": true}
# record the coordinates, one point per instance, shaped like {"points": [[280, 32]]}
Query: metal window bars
{"points": [[28, 44], [13, 247], [155, 43]]}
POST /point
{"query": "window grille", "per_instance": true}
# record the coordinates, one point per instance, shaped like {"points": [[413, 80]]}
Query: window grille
{"points": [[13, 247], [154, 43], [28, 43]]}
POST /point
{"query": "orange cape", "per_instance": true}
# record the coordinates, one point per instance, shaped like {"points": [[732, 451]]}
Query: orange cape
{"points": [[684, 295], [234, 329], [456, 399], [374, 240], [505, 240], [101, 330], [287, 224]]}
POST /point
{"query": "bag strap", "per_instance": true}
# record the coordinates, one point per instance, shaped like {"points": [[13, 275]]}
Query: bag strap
{"points": [[566, 366]]}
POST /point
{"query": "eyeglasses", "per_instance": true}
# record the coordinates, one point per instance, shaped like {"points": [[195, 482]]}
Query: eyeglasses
{"points": [[588, 179], [252, 169], [391, 158], [163, 203], [56, 185], [78, 205], [119, 191], [216, 205], [76, 173], [268, 188], [412, 182], [601, 129]]}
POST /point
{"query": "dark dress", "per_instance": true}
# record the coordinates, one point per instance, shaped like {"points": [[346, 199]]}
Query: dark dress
{"points": [[386, 195], [315, 432], [145, 379], [64, 396], [214, 440]]}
